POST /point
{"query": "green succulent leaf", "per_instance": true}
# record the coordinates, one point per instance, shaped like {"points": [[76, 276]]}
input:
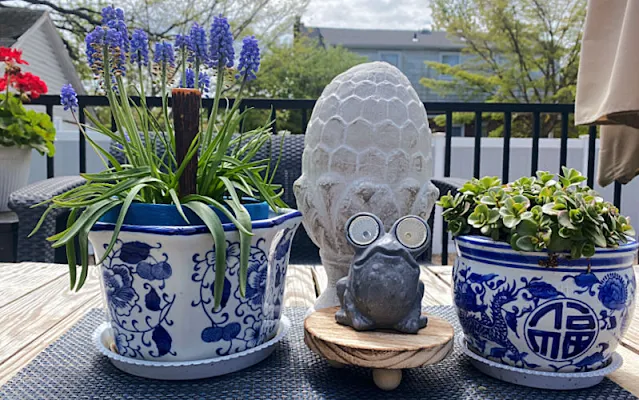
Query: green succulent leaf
{"points": [[541, 213]]}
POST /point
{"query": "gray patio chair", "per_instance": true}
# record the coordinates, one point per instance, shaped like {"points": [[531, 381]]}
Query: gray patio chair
{"points": [[37, 248]]}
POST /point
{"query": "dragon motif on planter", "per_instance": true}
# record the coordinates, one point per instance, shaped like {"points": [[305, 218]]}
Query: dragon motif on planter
{"points": [[553, 325]]}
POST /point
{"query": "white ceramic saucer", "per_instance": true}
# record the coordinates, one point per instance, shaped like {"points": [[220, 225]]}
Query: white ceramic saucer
{"points": [[187, 370], [539, 379]]}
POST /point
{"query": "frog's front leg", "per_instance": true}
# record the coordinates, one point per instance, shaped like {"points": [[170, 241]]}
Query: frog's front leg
{"points": [[348, 314], [414, 320]]}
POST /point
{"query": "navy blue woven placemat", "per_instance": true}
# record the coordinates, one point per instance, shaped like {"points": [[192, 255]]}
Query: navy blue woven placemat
{"points": [[71, 368]]}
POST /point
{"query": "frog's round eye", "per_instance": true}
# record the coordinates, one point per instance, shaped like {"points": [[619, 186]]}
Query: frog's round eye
{"points": [[411, 232], [363, 230]]}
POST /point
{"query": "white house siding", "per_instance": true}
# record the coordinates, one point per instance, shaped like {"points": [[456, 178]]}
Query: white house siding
{"points": [[38, 51]]}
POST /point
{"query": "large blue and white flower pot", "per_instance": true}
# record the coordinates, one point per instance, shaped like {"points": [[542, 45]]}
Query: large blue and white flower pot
{"points": [[549, 314], [158, 286]]}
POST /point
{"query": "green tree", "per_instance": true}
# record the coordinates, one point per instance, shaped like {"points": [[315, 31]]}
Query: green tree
{"points": [[520, 51], [297, 70]]}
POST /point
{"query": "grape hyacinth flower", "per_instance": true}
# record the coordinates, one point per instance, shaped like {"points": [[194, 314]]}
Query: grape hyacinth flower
{"points": [[190, 79], [182, 42], [205, 82], [113, 39], [221, 48], [164, 54], [197, 45], [249, 59], [68, 98], [114, 18], [139, 47], [94, 42]]}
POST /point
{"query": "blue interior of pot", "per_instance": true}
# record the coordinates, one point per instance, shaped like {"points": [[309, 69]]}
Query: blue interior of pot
{"points": [[167, 214]]}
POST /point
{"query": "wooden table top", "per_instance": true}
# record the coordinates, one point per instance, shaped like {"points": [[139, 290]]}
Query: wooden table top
{"points": [[36, 307]]}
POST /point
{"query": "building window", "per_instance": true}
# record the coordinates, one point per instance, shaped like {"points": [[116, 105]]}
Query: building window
{"points": [[391, 58], [451, 59]]}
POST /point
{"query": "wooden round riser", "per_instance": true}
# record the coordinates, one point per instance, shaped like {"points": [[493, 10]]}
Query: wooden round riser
{"points": [[384, 351]]}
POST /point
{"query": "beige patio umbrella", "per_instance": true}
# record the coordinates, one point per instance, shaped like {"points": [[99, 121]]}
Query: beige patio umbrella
{"points": [[608, 85]]}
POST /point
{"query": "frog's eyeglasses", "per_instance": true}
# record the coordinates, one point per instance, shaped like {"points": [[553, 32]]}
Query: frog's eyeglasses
{"points": [[411, 232], [363, 229]]}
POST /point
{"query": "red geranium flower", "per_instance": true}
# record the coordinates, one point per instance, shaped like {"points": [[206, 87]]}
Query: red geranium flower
{"points": [[3, 83], [11, 55], [29, 84]]}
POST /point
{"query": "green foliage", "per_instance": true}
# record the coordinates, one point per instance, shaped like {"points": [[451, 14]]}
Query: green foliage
{"points": [[22, 127], [298, 70], [226, 172], [521, 51], [543, 213]]}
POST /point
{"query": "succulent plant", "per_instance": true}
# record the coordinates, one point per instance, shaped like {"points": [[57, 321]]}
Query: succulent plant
{"points": [[543, 213]]}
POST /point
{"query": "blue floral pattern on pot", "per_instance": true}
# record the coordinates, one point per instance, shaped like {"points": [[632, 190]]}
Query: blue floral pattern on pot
{"points": [[158, 285], [139, 313], [236, 324], [563, 319]]}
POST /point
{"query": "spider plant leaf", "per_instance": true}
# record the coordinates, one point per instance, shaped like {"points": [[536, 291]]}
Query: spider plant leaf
{"points": [[244, 219], [118, 223], [41, 220], [83, 245], [100, 151], [83, 241], [126, 173], [70, 250], [176, 201], [277, 163], [224, 210], [70, 233], [212, 221]]}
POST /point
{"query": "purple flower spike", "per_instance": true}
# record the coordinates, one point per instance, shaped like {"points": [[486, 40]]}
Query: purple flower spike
{"points": [[221, 48], [114, 18], [205, 82], [182, 42], [109, 14], [190, 79], [139, 47], [249, 59], [164, 54], [114, 40], [68, 98], [94, 42], [198, 43]]}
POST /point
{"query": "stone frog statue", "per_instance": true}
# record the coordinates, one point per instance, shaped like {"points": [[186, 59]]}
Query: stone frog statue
{"points": [[382, 289]]}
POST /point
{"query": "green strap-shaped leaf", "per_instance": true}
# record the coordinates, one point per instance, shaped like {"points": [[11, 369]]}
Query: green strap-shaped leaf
{"points": [[118, 223], [70, 249], [83, 240], [212, 221], [244, 219]]}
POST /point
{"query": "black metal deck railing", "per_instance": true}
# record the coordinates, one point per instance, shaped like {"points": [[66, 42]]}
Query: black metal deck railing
{"points": [[435, 108]]}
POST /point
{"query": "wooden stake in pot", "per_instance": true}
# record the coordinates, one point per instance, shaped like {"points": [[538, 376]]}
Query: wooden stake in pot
{"points": [[186, 120]]}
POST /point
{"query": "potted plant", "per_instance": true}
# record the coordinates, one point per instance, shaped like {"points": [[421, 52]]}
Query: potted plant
{"points": [[20, 129], [187, 274], [543, 279]]}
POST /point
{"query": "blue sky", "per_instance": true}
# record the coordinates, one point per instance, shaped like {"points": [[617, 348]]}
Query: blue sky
{"points": [[369, 14]]}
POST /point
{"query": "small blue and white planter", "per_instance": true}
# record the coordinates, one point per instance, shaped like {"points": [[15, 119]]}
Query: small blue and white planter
{"points": [[517, 311], [158, 284]]}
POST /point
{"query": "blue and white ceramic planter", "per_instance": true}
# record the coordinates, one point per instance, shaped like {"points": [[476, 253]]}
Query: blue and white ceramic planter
{"points": [[516, 310], [158, 288]]}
